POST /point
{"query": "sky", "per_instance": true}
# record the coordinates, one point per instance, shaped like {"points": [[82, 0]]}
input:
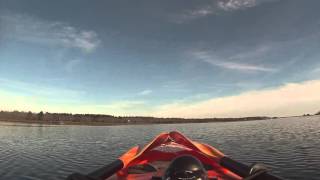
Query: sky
{"points": [[169, 58]]}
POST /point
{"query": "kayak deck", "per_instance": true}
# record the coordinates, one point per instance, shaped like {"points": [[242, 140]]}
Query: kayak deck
{"points": [[152, 161]]}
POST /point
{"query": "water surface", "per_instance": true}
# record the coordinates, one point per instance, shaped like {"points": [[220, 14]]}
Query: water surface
{"points": [[290, 147]]}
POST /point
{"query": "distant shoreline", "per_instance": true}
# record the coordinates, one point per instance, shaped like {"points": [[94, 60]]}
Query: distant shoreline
{"points": [[119, 124], [106, 120]]}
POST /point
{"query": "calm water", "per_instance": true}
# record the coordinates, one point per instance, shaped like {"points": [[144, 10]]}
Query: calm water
{"points": [[291, 147]]}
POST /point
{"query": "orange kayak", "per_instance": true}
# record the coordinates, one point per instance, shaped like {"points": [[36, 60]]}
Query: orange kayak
{"points": [[152, 160]]}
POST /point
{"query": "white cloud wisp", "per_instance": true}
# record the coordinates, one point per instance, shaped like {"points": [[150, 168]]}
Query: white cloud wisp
{"points": [[215, 7], [35, 30], [145, 92], [226, 64], [231, 5]]}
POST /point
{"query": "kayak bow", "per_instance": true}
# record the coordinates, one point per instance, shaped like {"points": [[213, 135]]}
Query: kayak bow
{"points": [[151, 161]]}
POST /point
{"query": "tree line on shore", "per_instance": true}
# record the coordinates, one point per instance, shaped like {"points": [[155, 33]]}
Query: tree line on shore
{"points": [[106, 119]]}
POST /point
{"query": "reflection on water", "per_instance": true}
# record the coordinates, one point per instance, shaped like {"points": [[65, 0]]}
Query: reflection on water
{"points": [[289, 146]]}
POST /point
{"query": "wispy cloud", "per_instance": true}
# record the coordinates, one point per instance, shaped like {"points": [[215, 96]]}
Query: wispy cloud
{"points": [[287, 100], [145, 92], [31, 29], [192, 14], [240, 66], [231, 5], [214, 7], [255, 53], [228, 64]]}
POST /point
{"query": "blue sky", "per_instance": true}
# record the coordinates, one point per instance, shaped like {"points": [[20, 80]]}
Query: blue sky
{"points": [[141, 57]]}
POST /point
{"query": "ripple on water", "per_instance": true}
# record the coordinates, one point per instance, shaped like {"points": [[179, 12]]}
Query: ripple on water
{"points": [[290, 147]]}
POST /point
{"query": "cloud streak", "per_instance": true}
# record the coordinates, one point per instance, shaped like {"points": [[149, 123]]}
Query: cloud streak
{"points": [[35, 30], [231, 5], [145, 92], [215, 7], [227, 64], [189, 15], [241, 67]]}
